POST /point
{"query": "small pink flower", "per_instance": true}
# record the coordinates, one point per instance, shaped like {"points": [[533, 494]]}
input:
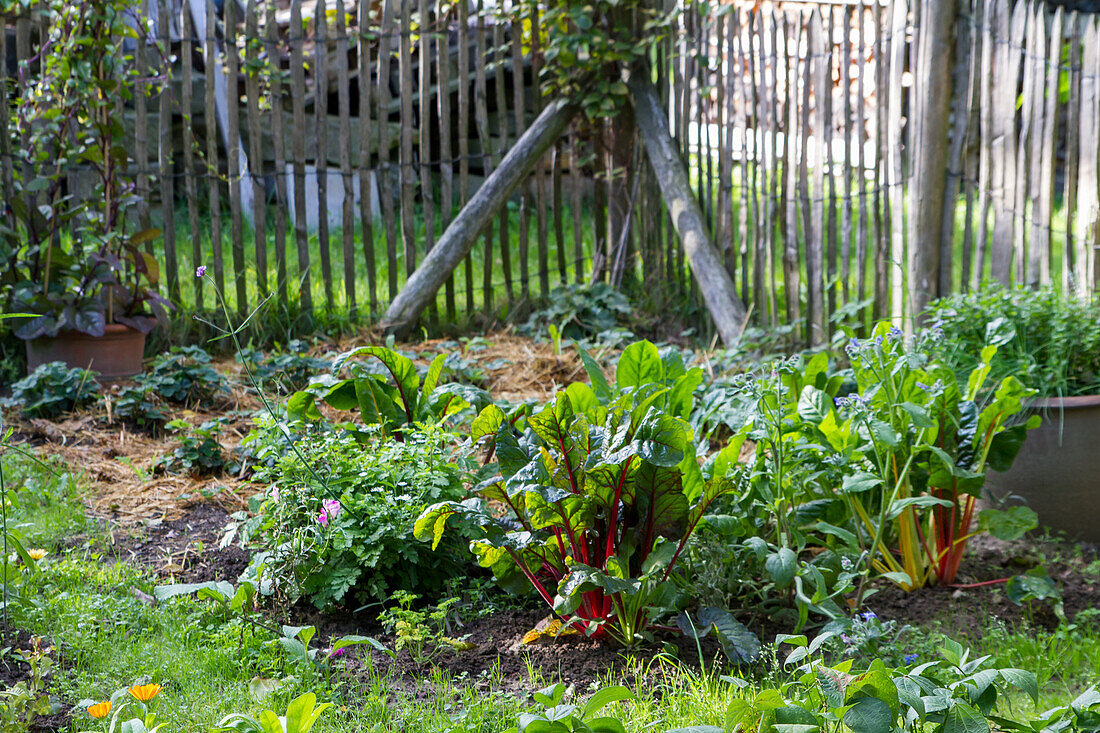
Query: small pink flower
{"points": [[275, 493], [200, 270], [330, 509], [334, 653]]}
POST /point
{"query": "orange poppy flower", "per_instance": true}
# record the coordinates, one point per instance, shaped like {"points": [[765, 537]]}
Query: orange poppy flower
{"points": [[100, 709], [145, 693]]}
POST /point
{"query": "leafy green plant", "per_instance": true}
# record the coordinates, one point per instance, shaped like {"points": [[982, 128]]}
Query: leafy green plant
{"points": [[184, 376], [551, 714], [353, 539], [924, 443], [1045, 339], [393, 396], [786, 526], [421, 631], [301, 715], [599, 501], [288, 371], [53, 389], [953, 694], [199, 453], [138, 405], [1082, 714], [1034, 587], [888, 474], [27, 699], [579, 312]]}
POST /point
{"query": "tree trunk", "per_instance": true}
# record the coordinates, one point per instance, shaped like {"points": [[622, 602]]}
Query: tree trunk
{"points": [[718, 289], [461, 234]]}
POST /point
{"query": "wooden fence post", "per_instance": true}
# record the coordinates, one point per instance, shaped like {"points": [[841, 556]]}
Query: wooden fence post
{"points": [[932, 105], [714, 280], [460, 236]]}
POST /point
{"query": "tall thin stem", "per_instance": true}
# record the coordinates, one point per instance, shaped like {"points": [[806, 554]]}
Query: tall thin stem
{"points": [[4, 520]]}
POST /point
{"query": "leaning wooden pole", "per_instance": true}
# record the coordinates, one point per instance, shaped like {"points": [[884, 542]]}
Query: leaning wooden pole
{"points": [[461, 234], [718, 289]]}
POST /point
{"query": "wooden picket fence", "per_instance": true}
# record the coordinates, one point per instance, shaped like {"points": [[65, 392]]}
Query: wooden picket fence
{"points": [[314, 152]]}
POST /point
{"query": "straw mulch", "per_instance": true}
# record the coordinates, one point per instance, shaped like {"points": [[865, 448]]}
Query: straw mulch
{"points": [[118, 466]]}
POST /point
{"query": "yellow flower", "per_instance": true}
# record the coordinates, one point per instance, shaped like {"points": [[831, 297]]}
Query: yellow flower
{"points": [[100, 709], [145, 693], [37, 554]]}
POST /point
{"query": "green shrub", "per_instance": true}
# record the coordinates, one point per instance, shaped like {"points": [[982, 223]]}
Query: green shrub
{"points": [[184, 376], [351, 539], [53, 389], [199, 453], [138, 405], [580, 311], [1046, 340]]}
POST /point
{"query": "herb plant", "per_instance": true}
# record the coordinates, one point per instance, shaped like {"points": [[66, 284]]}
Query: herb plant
{"points": [[1047, 340], [423, 632], [388, 392], [52, 390], [357, 544]]}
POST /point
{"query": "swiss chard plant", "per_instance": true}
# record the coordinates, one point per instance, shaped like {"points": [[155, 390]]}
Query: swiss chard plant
{"points": [[878, 469], [925, 443], [393, 396], [602, 492]]}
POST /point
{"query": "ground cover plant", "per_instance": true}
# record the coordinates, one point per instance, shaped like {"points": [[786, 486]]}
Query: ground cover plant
{"points": [[350, 539]]}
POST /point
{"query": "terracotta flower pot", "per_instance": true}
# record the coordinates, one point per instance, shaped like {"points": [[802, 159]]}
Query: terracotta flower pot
{"points": [[1058, 468], [115, 355]]}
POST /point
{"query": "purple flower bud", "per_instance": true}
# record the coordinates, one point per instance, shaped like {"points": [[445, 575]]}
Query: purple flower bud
{"points": [[200, 270]]}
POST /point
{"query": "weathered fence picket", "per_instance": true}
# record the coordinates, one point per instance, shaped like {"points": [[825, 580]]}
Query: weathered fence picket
{"points": [[792, 119]]}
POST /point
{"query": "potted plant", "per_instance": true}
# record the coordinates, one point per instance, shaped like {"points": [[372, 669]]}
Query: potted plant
{"points": [[70, 260], [1051, 342]]}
